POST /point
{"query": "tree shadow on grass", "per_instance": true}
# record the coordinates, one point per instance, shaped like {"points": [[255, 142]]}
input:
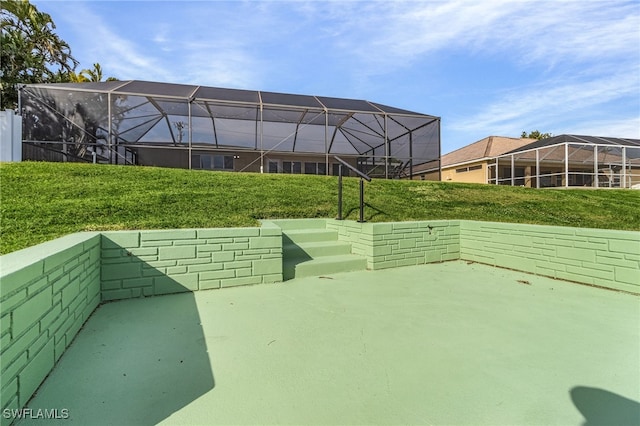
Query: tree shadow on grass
{"points": [[600, 407], [135, 362]]}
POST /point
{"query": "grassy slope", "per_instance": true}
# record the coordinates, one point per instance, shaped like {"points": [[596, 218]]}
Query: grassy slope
{"points": [[41, 201]]}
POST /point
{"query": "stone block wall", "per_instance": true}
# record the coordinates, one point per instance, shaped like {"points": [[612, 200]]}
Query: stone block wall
{"points": [[390, 245], [606, 258], [591, 256], [47, 292], [147, 263]]}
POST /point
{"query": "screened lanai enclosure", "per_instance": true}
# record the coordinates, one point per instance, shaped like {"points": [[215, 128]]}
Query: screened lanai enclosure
{"points": [[570, 161], [198, 127]]}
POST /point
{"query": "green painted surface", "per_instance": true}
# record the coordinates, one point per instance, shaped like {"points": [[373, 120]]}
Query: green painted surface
{"points": [[267, 267], [178, 252], [324, 265], [265, 242], [628, 275], [16, 272], [451, 343], [173, 261], [622, 246], [310, 235], [238, 281], [228, 232], [33, 374], [18, 260], [119, 239], [310, 249], [590, 256], [48, 291], [322, 248], [390, 245], [166, 235], [298, 223], [46, 294], [224, 256]]}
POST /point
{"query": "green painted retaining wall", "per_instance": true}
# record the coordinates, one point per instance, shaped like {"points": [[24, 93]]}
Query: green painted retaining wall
{"points": [[390, 245], [47, 292], [600, 257], [591, 256], [147, 263]]}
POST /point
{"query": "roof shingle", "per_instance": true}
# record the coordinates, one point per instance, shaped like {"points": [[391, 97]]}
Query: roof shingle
{"points": [[484, 148]]}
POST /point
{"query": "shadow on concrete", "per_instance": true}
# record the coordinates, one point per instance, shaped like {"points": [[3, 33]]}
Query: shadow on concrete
{"points": [[292, 255], [601, 407], [135, 362]]}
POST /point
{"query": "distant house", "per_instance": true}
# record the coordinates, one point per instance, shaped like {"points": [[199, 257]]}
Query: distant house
{"points": [[559, 161], [570, 161], [212, 128], [470, 163]]}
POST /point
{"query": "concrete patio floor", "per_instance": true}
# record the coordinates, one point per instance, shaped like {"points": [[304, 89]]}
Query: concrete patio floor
{"points": [[451, 343]]}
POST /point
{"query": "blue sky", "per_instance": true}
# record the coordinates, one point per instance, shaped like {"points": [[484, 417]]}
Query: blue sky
{"points": [[485, 67]]}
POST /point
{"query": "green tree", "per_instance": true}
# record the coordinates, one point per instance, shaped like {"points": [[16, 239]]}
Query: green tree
{"points": [[536, 135], [31, 51], [90, 75]]}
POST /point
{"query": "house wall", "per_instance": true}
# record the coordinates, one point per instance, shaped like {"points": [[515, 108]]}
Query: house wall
{"points": [[311, 158], [449, 174], [427, 171], [434, 175], [179, 158], [247, 161]]}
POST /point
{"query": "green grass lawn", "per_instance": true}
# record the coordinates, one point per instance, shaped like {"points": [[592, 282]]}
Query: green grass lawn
{"points": [[42, 201]]}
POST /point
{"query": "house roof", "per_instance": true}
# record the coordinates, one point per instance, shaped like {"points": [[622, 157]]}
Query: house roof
{"points": [[591, 140], [488, 147], [205, 93], [495, 146]]}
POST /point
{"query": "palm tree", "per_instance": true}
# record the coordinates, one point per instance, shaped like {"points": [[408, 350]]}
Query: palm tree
{"points": [[31, 51], [89, 75]]}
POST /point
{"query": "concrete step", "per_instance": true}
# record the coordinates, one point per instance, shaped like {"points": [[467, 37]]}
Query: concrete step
{"points": [[310, 235], [315, 249], [285, 224], [323, 265]]}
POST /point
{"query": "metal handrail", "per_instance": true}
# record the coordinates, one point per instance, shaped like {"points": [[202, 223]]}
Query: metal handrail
{"points": [[353, 169], [362, 177]]}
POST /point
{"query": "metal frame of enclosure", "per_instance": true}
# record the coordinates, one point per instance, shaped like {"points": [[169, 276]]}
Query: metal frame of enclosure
{"points": [[570, 161], [117, 122]]}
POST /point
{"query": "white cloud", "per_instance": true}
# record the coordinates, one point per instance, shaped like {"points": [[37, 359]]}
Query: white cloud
{"points": [[220, 67], [394, 33], [158, 49], [96, 38], [544, 104], [622, 128]]}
